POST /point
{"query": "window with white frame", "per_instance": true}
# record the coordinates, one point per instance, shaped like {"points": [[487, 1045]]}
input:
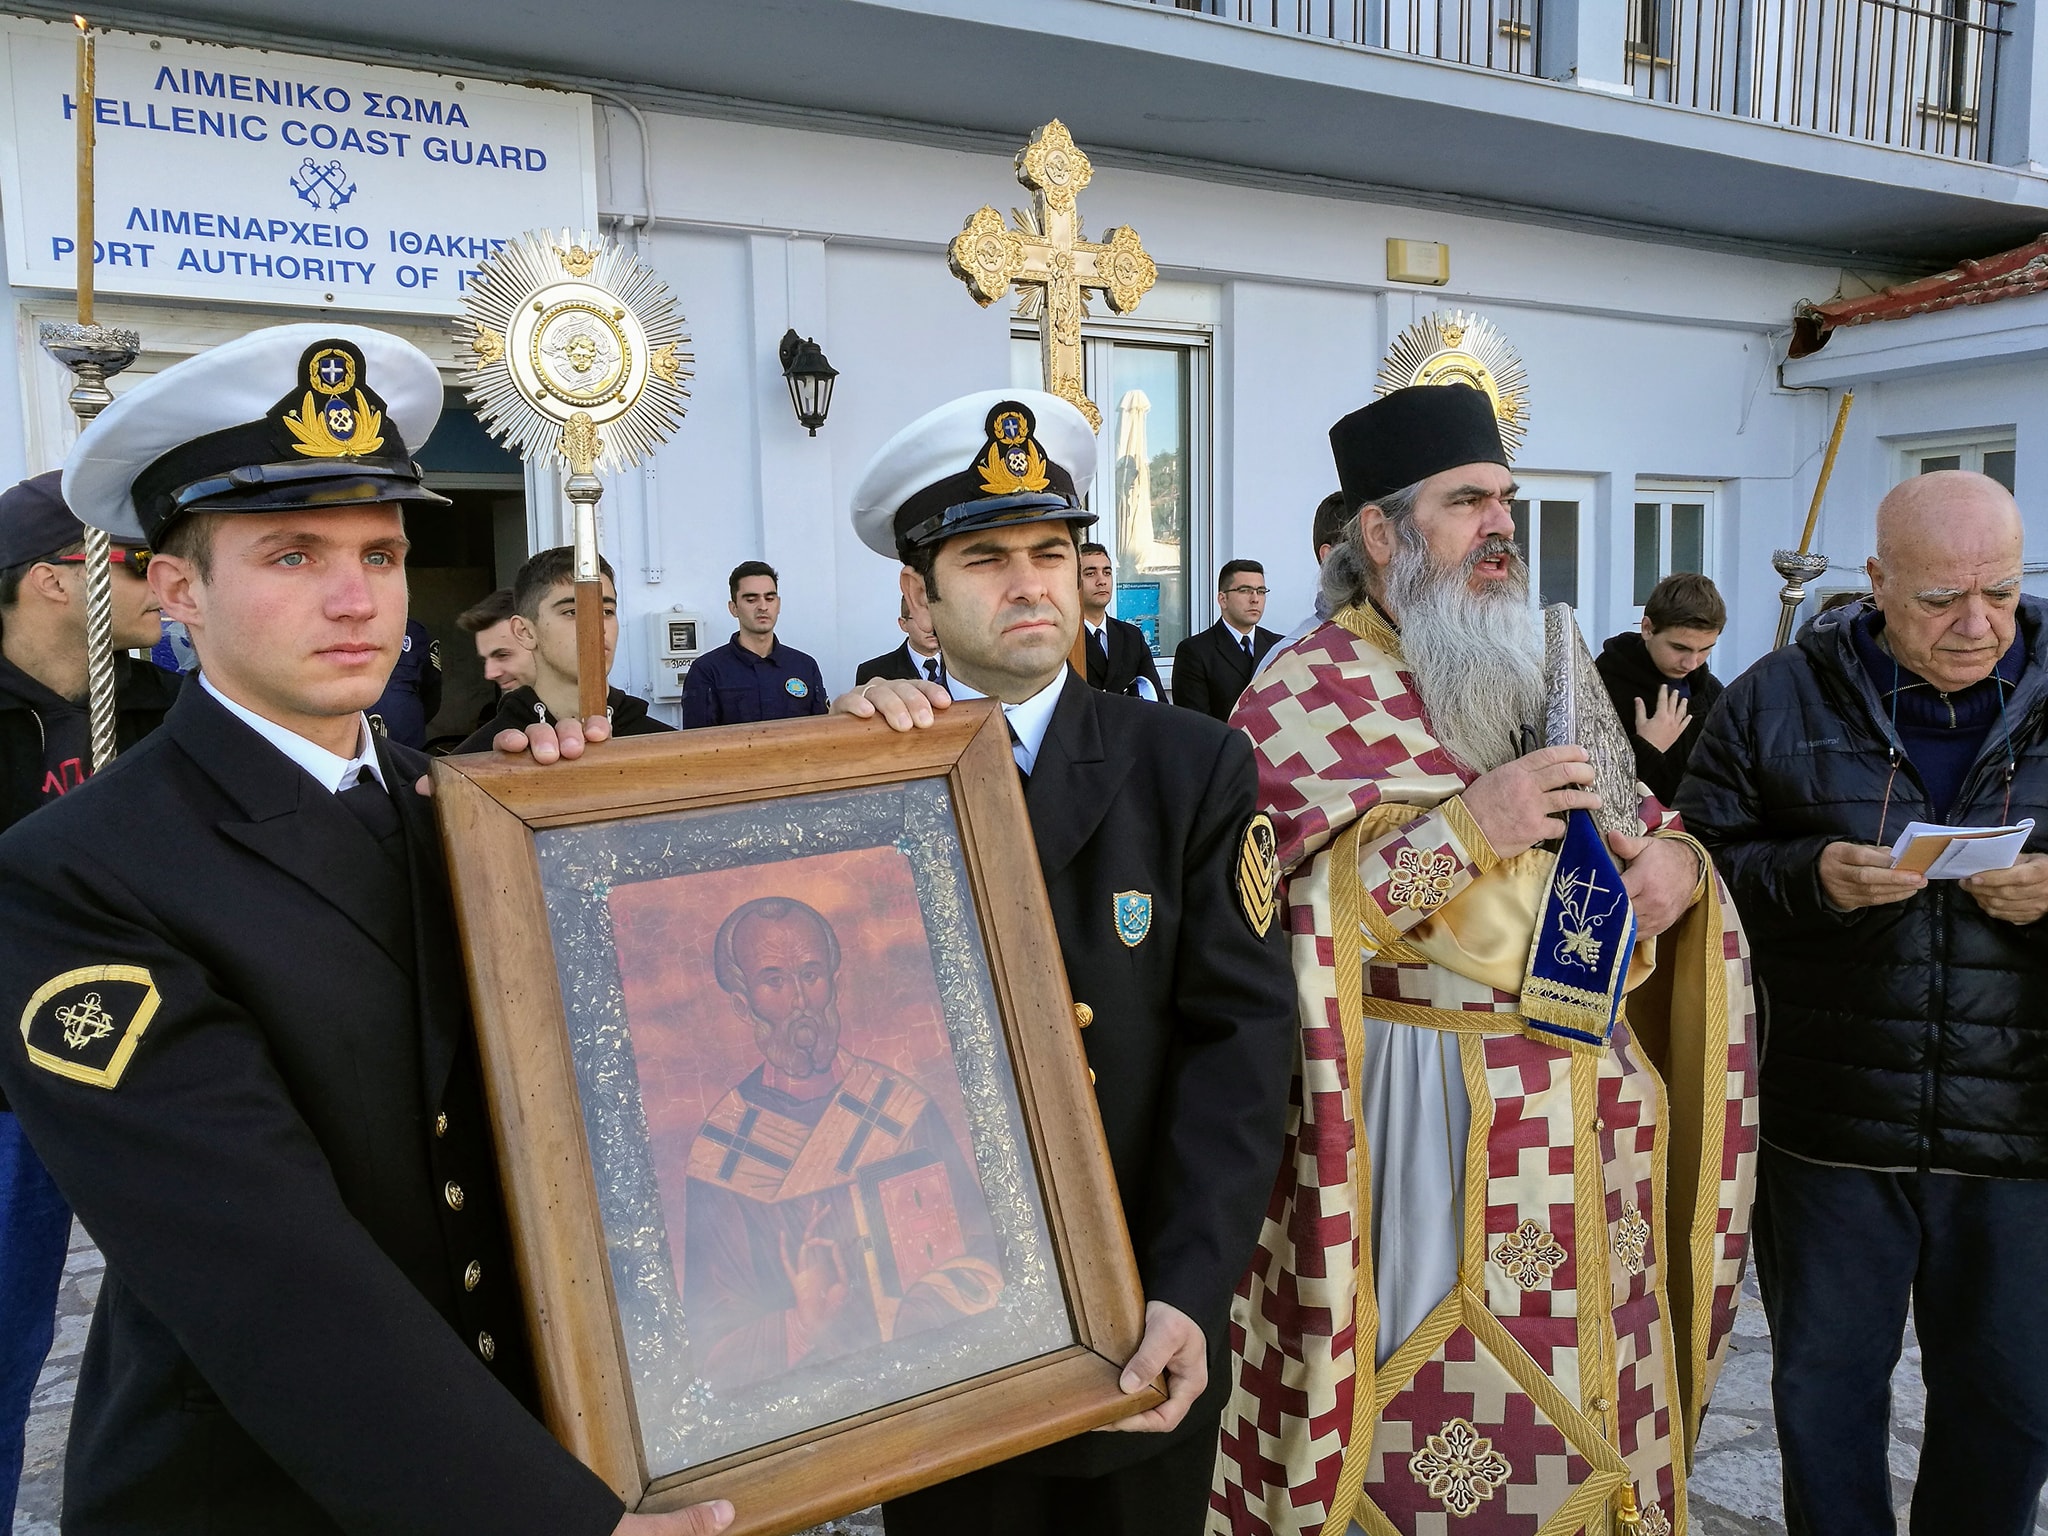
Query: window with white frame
{"points": [[1990, 452], [1674, 531], [1554, 529], [1151, 471]]}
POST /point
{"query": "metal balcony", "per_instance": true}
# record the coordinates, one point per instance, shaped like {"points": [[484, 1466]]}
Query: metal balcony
{"points": [[1912, 75], [1492, 34]]}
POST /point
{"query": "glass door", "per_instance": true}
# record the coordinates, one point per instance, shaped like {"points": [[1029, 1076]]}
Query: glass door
{"points": [[1149, 474]]}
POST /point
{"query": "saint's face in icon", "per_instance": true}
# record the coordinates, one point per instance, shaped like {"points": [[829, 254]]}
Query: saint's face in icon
{"points": [[783, 979]]}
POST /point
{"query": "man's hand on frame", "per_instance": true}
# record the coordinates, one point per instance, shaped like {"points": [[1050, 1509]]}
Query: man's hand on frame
{"points": [[1173, 1344]]}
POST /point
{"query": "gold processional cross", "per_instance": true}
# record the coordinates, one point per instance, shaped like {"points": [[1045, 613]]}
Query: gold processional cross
{"points": [[1044, 254]]}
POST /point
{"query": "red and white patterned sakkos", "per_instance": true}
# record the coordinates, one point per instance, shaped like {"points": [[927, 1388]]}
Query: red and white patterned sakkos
{"points": [[1606, 1202]]}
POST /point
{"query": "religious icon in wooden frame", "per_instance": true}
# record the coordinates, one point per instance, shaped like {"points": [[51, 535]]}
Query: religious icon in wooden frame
{"points": [[808, 1192]]}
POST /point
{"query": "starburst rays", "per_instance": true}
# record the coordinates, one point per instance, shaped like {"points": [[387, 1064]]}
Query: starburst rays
{"points": [[531, 276]]}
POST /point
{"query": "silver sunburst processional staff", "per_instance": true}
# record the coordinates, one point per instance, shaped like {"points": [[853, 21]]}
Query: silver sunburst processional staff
{"points": [[579, 354]]}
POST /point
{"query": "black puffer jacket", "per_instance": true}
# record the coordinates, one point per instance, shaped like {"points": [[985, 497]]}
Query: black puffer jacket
{"points": [[1910, 1036]]}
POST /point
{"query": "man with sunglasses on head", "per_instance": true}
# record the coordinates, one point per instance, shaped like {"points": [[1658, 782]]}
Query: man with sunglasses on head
{"points": [[45, 751]]}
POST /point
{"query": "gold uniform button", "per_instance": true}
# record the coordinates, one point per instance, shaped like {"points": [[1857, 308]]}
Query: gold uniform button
{"points": [[452, 1191], [1600, 1404], [1599, 1124], [441, 1124], [1083, 1015], [1091, 1076], [472, 1275], [487, 1346]]}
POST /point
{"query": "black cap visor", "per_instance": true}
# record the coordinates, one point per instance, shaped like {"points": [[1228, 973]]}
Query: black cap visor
{"points": [[302, 487], [993, 512]]}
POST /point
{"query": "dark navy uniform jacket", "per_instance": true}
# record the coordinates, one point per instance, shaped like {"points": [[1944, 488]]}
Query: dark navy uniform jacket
{"points": [[413, 695], [733, 686], [1193, 1038], [245, 1053], [901, 663]]}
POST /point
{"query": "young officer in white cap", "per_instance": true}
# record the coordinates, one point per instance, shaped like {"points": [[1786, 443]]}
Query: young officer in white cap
{"points": [[1161, 878], [237, 1028]]}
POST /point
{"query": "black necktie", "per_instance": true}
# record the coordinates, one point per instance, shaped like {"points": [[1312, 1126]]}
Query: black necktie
{"points": [[1016, 742], [1098, 643], [1246, 642], [370, 803], [931, 669]]}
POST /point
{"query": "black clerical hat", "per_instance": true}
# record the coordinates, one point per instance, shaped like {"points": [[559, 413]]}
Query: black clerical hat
{"points": [[1411, 434]]}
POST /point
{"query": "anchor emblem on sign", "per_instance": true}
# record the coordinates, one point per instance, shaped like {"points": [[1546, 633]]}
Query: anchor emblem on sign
{"points": [[323, 185]]}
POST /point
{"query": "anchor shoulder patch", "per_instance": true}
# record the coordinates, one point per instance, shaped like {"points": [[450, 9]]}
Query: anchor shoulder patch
{"points": [[1258, 874], [86, 1024]]}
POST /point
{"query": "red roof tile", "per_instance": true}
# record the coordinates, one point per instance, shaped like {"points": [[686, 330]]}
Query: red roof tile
{"points": [[2004, 276]]}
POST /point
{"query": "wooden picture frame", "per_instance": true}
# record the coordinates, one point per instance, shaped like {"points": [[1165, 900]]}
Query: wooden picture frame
{"points": [[623, 859]]}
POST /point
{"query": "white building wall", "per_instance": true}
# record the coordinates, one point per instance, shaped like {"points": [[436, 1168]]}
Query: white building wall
{"points": [[1985, 399], [1643, 359]]}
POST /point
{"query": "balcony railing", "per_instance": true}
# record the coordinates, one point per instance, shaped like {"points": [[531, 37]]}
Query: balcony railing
{"points": [[1493, 34], [1919, 74]]}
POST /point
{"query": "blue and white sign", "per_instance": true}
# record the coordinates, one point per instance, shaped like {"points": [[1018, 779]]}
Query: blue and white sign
{"points": [[242, 176]]}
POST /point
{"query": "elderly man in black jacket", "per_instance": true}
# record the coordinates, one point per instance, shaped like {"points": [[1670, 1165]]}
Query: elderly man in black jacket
{"points": [[1905, 1076]]}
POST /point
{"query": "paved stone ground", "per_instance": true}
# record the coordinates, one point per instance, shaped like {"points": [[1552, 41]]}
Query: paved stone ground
{"points": [[1734, 1486]]}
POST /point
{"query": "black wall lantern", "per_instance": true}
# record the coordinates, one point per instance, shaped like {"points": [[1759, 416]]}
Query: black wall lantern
{"points": [[810, 379]]}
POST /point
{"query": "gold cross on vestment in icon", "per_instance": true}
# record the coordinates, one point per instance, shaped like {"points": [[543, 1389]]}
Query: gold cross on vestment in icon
{"points": [[1043, 253]]}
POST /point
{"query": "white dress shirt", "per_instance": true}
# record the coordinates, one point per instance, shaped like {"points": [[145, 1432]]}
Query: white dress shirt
{"points": [[332, 773], [1029, 719]]}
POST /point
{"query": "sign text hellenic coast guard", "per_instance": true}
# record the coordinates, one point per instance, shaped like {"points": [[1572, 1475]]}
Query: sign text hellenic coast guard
{"points": [[242, 175]]}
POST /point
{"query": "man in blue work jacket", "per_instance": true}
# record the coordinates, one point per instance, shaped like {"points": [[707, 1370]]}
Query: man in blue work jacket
{"points": [[753, 676]]}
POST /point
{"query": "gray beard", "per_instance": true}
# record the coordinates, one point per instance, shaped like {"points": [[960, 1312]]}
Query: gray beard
{"points": [[1477, 657]]}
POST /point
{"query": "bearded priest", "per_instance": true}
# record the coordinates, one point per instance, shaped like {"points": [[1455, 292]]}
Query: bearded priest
{"points": [[1499, 1269]]}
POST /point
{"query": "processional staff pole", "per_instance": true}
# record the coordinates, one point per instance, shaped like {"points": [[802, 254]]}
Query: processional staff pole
{"points": [[1799, 566], [93, 353]]}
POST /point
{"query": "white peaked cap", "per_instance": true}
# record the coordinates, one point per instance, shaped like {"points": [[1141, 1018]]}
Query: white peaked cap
{"points": [[948, 444], [250, 384]]}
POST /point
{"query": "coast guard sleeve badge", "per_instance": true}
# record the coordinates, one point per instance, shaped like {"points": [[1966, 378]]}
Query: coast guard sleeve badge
{"points": [[1258, 874], [85, 1024]]}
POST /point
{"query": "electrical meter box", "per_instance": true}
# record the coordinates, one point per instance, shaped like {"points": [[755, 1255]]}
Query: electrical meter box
{"points": [[677, 639]]}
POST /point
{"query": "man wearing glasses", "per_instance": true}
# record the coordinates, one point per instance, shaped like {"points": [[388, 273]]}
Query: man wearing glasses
{"points": [[1211, 669], [45, 751]]}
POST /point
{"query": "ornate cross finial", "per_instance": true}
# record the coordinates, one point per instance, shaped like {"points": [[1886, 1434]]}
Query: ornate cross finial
{"points": [[1044, 254]]}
